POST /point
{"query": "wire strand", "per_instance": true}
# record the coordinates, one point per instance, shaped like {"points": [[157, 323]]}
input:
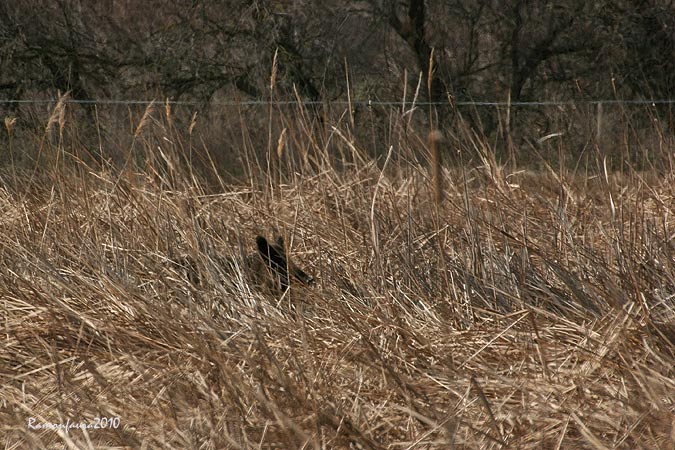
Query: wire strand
{"points": [[340, 102]]}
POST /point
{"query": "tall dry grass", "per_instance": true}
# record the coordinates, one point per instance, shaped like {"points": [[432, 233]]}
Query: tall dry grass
{"points": [[514, 309]]}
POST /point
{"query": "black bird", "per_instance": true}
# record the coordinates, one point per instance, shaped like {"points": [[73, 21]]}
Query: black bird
{"points": [[274, 255]]}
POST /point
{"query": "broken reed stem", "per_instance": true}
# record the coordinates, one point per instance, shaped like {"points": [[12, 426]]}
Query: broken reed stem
{"points": [[436, 164], [273, 163]]}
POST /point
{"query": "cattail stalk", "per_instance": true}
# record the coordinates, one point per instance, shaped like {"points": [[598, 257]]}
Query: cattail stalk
{"points": [[436, 166]]}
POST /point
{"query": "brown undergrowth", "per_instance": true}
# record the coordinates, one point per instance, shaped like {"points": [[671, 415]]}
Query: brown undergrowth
{"points": [[526, 310]]}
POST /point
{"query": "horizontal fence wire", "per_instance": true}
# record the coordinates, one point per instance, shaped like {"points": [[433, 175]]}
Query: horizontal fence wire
{"points": [[362, 103]]}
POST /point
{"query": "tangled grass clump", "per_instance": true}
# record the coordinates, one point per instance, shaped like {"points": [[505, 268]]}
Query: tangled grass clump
{"points": [[521, 310]]}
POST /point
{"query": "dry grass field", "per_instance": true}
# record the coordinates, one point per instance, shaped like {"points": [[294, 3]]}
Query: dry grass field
{"points": [[517, 310]]}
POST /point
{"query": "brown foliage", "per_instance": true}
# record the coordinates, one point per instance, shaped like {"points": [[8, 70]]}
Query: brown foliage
{"points": [[526, 310]]}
